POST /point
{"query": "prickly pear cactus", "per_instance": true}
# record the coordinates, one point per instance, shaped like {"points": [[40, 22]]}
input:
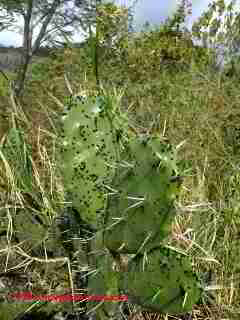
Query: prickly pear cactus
{"points": [[140, 213], [141, 180], [87, 154], [161, 281]]}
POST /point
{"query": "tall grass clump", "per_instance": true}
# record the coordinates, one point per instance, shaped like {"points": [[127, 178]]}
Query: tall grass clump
{"points": [[31, 200]]}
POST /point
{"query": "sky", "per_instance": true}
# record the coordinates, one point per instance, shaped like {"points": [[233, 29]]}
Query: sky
{"points": [[153, 11], [156, 11]]}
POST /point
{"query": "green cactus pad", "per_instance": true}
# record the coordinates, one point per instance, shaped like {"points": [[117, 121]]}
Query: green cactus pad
{"points": [[104, 283], [144, 228], [87, 153], [144, 203], [162, 281]]}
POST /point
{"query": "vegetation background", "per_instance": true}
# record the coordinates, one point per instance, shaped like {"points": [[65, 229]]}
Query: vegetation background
{"points": [[167, 84]]}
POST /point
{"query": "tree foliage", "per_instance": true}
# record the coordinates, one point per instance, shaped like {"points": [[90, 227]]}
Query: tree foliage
{"points": [[218, 27], [44, 21]]}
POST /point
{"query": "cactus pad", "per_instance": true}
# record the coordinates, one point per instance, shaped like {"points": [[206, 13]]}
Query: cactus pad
{"points": [[105, 283], [144, 201], [87, 151], [162, 281]]}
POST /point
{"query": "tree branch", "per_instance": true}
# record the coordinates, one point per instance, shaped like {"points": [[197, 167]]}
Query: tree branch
{"points": [[45, 24]]}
